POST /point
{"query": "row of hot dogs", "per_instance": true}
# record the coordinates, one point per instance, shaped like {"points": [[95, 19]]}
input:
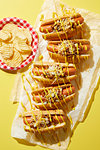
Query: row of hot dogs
{"points": [[63, 47]]}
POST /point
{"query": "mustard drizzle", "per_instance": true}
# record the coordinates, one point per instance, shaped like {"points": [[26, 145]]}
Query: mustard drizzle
{"points": [[70, 119], [27, 124], [42, 17], [26, 90], [29, 83], [23, 106]]}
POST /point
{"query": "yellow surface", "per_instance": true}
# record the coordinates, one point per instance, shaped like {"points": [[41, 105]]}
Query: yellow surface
{"points": [[87, 134]]}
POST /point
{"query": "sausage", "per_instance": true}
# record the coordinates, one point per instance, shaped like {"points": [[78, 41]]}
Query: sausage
{"points": [[79, 20], [67, 71], [48, 28], [27, 119], [52, 48], [52, 21], [55, 119], [67, 91], [37, 71], [82, 49], [38, 98], [62, 35], [58, 119], [43, 120]]}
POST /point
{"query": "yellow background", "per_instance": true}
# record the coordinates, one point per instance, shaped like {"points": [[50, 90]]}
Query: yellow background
{"points": [[87, 134]]}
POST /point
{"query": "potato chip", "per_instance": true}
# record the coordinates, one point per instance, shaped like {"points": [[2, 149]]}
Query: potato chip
{"points": [[15, 61], [21, 46], [14, 30], [24, 48], [7, 51], [15, 44], [26, 55], [19, 34], [28, 35], [4, 35], [8, 33], [9, 27]]}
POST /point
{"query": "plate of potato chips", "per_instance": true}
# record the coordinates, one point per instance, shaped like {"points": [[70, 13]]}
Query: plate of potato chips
{"points": [[18, 43]]}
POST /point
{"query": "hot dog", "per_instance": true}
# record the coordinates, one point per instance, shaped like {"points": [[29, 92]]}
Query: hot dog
{"points": [[62, 28], [42, 121], [69, 50], [53, 97], [53, 73]]}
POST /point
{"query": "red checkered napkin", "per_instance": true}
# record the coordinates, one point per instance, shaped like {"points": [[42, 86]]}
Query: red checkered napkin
{"points": [[21, 23]]}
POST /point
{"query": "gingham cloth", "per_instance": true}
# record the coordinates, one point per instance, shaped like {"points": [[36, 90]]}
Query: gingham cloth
{"points": [[21, 23]]}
